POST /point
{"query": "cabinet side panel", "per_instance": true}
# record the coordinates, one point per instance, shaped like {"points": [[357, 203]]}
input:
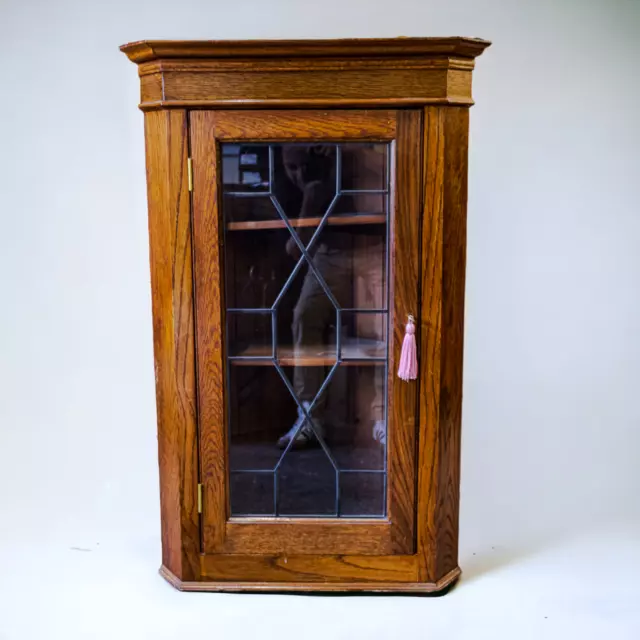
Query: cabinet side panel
{"points": [[452, 335], [430, 344], [442, 318], [173, 337]]}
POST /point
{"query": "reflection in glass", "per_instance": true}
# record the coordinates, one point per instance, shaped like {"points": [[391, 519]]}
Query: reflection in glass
{"points": [[306, 296], [252, 493], [362, 493]]}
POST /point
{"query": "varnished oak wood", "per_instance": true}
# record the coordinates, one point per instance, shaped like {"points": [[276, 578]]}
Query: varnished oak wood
{"points": [[413, 92], [344, 88], [173, 337], [442, 327], [300, 583], [333, 221], [306, 536], [209, 128], [296, 73], [403, 300], [147, 50], [309, 568], [452, 337], [310, 356], [277, 126], [302, 64], [209, 327]]}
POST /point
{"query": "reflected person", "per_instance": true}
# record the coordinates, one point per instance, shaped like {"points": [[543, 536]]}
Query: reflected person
{"points": [[311, 171]]}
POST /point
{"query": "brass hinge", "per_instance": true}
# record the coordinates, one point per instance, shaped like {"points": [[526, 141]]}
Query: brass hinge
{"points": [[199, 498], [190, 173]]}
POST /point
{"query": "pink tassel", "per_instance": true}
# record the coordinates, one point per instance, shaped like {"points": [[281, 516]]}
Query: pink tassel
{"points": [[408, 369]]}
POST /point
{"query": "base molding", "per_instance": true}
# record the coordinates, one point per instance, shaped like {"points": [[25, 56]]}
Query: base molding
{"points": [[311, 587]]}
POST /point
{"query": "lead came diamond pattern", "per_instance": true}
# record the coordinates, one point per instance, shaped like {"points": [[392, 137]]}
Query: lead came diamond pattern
{"points": [[259, 486]]}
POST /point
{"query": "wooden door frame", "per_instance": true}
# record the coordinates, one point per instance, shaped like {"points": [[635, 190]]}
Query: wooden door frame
{"points": [[394, 534]]}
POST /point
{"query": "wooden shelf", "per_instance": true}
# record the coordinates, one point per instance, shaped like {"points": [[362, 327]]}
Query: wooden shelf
{"points": [[333, 221], [362, 352]]}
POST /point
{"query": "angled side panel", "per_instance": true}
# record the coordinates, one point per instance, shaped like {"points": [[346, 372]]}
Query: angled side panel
{"points": [[442, 330], [173, 337]]}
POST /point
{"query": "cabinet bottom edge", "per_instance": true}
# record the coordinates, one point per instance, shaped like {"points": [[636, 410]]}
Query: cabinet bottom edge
{"points": [[313, 587]]}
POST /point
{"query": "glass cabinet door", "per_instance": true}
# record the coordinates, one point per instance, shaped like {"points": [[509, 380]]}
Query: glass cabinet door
{"points": [[306, 305], [303, 266]]}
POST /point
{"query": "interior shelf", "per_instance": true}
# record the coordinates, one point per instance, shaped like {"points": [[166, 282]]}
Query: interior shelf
{"points": [[360, 353], [338, 220]]}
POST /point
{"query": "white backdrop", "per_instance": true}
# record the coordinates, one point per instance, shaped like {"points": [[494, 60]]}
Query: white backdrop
{"points": [[551, 420]]}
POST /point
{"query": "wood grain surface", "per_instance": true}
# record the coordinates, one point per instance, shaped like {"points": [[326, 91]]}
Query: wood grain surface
{"points": [[452, 337], [368, 537], [173, 337], [313, 537], [333, 221], [347, 73], [312, 356], [403, 300], [277, 126], [204, 65], [442, 326], [146, 50], [208, 280], [300, 581], [310, 568], [270, 88]]}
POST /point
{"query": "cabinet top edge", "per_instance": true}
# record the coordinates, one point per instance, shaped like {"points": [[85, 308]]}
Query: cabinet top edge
{"points": [[149, 50]]}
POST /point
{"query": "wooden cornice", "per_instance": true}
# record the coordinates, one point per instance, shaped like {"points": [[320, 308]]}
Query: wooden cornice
{"points": [[299, 73], [147, 50]]}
